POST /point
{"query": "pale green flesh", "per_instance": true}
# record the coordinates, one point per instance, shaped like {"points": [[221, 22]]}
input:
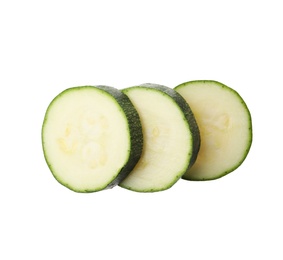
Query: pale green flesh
{"points": [[167, 141], [86, 139], [225, 128]]}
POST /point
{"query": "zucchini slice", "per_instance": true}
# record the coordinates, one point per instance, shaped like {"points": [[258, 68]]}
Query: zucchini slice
{"points": [[225, 127], [91, 137], [171, 138]]}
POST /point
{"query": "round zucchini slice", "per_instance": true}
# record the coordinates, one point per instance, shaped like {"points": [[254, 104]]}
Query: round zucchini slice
{"points": [[225, 127], [171, 138], [91, 137]]}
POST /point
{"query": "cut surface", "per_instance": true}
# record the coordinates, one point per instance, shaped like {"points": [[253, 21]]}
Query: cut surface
{"points": [[225, 128], [169, 145], [86, 138]]}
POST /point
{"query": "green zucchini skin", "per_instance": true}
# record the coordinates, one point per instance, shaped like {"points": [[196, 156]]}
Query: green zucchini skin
{"points": [[193, 126], [134, 129], [250, 128]]}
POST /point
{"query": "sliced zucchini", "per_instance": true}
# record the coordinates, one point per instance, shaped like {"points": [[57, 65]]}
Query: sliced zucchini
{"points": [[91, 137], [225, 127], [171, 138]]}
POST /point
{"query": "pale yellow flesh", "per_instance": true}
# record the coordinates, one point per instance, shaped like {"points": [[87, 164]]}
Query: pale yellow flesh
{"points": [[86, 139], [224, 126], [167, 142]]}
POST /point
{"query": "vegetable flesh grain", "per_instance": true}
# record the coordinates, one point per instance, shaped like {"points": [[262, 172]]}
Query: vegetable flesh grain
{"points": [[171, 138], [225, 128]]}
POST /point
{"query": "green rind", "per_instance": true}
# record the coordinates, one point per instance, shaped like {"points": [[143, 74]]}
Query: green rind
{"points": [[135, 131], [188, 118], [135, 134], [250, 129]]}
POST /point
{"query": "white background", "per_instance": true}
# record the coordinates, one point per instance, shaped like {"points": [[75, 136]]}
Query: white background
{"points": [[47, 46]]}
